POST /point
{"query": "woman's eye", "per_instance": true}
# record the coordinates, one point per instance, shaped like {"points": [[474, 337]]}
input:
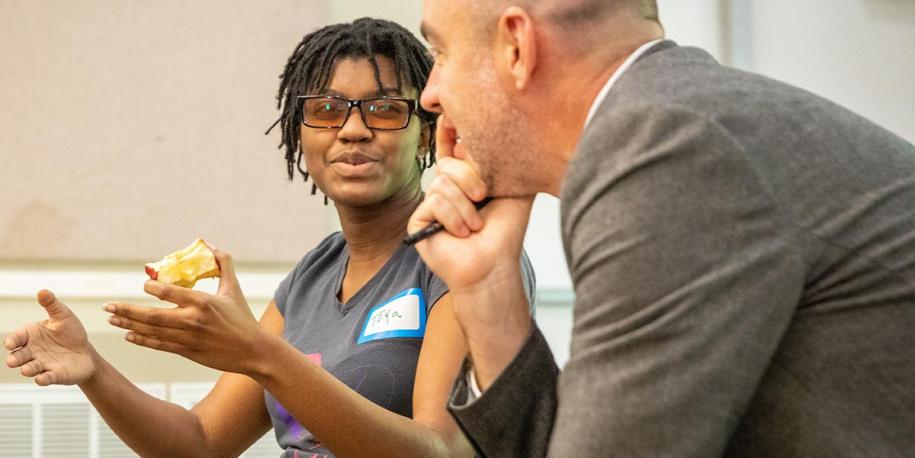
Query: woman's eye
{"points": [[324, 109], [383, 108]]}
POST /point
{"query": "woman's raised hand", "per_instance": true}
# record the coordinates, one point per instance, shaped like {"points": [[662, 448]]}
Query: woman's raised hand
{"points": [[218, 331]]}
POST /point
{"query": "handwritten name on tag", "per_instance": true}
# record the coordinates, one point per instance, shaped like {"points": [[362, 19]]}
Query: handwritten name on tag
{"points": [[403, 315]]}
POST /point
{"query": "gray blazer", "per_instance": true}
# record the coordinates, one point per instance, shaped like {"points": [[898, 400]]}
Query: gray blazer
{"points": [[743, 254]]}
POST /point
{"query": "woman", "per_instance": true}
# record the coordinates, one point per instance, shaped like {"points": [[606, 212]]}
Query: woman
{"points": [[357, 352]]}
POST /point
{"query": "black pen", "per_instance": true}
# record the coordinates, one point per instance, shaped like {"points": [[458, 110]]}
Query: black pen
{"points": [[435, 227]]}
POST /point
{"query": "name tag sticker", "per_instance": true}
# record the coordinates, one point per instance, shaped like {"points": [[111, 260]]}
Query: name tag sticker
{"points": [[403, 315]]}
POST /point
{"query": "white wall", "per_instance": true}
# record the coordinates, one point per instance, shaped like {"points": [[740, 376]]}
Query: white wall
{"points": [[695, 23], [407, 13], [859, 53]]}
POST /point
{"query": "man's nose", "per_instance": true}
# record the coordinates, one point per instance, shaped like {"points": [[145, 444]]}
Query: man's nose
{"points": [[429, 98]]}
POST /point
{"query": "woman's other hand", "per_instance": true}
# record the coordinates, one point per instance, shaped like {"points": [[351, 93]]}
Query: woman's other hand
{"points": [[55, 351]]}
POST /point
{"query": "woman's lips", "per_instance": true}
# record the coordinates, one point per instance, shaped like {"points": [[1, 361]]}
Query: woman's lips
{"points": [[354, 164], [354, 158]]}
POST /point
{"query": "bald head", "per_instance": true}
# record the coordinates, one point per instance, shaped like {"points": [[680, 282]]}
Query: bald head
{"points": [[570, 13], [580, 22], [576, 13]]}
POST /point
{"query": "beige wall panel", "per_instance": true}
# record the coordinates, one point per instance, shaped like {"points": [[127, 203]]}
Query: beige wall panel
{"points": [[408, 13], [128, 128]]}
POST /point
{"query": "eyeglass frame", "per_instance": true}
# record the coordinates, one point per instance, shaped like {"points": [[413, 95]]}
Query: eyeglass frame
{"points": [[412, 108]]}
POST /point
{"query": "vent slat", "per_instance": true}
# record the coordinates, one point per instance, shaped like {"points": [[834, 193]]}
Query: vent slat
{"points": [[15, 430], [65, 430]]}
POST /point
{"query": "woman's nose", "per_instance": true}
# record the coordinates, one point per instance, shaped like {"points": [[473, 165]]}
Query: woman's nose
{"points": [[354, 129]]}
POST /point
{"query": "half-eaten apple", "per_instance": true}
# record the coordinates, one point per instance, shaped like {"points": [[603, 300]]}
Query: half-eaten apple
{"points": [[185, 266]]}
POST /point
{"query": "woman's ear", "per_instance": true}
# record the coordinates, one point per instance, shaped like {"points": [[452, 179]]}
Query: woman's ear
{"points": [[425, 139]]}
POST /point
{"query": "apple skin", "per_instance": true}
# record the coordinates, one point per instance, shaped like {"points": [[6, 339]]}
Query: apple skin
{"points": [[152, 273]]}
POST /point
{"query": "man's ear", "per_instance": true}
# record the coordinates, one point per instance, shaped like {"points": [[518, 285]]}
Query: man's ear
{"points": [[516, 46]]}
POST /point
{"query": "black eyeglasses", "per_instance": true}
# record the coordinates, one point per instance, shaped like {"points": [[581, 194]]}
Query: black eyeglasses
{"points": [[332, 112]]}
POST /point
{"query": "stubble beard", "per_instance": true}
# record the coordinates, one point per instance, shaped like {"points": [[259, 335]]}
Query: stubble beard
{"points": [[501, 141]]}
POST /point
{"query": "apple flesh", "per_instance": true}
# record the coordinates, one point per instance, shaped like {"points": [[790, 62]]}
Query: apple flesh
{"points": [[185, 266]]}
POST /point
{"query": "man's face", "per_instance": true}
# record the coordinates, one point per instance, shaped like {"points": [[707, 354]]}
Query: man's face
{"points": [[481, 123]]}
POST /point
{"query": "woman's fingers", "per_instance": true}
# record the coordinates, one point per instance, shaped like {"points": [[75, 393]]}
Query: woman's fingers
{"points": [[173, 330], [177, 295], [45, 378], [32, 368], [155, 344], [228, 280], [36, 369], [158, 333], [170, 318], [19, 357], [16, 339]]}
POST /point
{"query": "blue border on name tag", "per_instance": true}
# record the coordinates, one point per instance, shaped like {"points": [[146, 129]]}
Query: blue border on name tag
{"points": [[418, 332]]}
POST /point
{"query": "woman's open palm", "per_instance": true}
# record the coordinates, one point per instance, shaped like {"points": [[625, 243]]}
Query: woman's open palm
{"points": [[52, 351]]}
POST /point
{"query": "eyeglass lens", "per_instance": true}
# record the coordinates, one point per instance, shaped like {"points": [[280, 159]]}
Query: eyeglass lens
{"points": [[377, 113]]}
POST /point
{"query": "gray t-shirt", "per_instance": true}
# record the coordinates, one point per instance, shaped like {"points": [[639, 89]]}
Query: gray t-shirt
{"points": [[371, 343]]}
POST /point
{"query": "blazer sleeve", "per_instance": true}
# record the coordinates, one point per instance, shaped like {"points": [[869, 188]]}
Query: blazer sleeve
{"points": [[687, 275], [514, 416]]}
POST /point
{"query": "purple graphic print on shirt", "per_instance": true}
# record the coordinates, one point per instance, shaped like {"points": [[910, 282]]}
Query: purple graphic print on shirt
{"points": [[294, 426]]}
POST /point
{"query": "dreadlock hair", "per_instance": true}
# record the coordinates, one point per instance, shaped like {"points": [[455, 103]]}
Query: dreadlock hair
{"points": [[309, 67]]}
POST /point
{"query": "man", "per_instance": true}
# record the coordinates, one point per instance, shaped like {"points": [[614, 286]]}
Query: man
{"points": [[743, 252]]}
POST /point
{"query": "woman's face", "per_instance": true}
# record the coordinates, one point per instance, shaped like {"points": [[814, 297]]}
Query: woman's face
{"points": [[355, 165]]}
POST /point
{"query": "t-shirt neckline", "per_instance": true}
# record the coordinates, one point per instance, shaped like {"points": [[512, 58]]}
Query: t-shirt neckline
{"points": [[344, 308]]}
